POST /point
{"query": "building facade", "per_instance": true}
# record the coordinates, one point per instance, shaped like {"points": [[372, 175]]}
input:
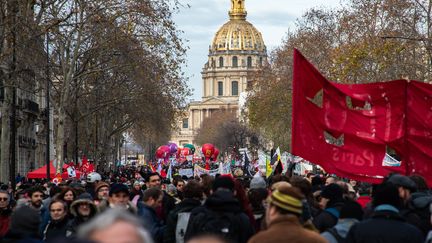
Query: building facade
{"points": [[235, 54]]}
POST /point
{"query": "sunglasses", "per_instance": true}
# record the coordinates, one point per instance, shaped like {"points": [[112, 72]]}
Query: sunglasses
{"points": [[3, 199]]}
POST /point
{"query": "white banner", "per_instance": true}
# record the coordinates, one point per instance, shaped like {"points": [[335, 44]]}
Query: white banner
{"points": [[223, 169], [186, 172]]}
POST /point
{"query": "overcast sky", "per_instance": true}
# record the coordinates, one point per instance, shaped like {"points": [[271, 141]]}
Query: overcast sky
{"points": [[200, 22]]}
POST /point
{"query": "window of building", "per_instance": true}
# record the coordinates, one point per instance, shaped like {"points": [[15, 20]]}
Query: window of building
{"points": [[249, 62], [235, 61], [261, 61], [185, 123], [234, 87], [220, 88], [221, 64]]}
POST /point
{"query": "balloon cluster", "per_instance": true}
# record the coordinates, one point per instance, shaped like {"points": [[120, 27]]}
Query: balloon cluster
{"points": [[172, 150], [164, 152]]}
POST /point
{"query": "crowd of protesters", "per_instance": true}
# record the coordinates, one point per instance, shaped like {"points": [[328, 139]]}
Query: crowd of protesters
{"points": [[124, 208]]}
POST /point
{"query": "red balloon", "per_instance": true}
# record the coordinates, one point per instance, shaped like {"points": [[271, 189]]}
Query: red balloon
{"points": [[163, 152], [185, 152], [208, 150], [215, 154]]}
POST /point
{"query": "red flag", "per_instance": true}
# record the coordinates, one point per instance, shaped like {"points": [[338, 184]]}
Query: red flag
{"points": [[347, 128], [86, 167]]}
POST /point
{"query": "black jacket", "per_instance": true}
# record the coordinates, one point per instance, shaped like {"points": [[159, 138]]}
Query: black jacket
{"points": [[56, 230], [384, 226], [187, 205], [221, 202]]}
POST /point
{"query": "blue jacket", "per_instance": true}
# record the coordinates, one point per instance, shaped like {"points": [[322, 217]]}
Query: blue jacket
{"points": [[151, 222]]}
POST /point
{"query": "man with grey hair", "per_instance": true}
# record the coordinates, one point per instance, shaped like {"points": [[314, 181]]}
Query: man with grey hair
{"points": [[115, 226]]}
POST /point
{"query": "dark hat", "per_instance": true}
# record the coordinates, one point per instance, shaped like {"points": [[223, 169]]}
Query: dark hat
{"points": [[25, 220], [403, 181], [116, 188], [351, 209], [224, 181], [333, 192]]}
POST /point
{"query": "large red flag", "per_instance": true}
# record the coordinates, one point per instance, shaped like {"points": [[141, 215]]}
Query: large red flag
{"points": [[347, 128]]}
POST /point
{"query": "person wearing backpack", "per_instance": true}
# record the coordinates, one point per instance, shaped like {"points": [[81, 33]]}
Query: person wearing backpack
{"points": [[221, 214], [178, 218], [351, 213], [283, 215]]}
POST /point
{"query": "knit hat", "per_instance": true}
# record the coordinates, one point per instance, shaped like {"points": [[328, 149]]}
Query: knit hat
{"points": [[351, 209], [287, 198], [25, 220], [224, 181], [403, 181], [116, 188], [257, 182], [101, 184], [333, 192]]}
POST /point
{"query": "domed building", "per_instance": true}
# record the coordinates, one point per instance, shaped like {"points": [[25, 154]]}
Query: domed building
{"points": [[236, 52]]}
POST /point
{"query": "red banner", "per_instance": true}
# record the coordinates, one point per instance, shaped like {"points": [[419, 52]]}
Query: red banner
{"points": [[347, 128]]}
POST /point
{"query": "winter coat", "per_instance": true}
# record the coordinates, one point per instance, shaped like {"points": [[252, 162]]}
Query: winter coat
{"points": [[151, 222], [385, 225], [78, 219], [168, 204], [286, 228], [419, 205], [328, 217], [56, 230], [187, 205], [5, 217], [220, 202], [342, 228]]}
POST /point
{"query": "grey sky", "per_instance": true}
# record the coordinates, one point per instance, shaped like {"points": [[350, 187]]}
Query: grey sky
{"points": [[200, 22]]}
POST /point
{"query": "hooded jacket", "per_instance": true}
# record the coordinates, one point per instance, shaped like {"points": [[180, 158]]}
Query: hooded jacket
{"points": [[79, 219]]}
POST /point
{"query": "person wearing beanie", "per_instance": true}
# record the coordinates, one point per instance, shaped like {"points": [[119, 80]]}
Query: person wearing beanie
{"points": [[136, 193], [331, 203], [283, 219], [351, 213], [83, 209], [101, 192], [386, 223], [224, 182]]}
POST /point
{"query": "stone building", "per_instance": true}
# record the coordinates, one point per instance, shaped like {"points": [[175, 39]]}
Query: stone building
{"points": [[235, 54]]}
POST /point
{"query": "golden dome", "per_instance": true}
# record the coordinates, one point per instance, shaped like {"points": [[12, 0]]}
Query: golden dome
{"points": [[238, 34]]}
